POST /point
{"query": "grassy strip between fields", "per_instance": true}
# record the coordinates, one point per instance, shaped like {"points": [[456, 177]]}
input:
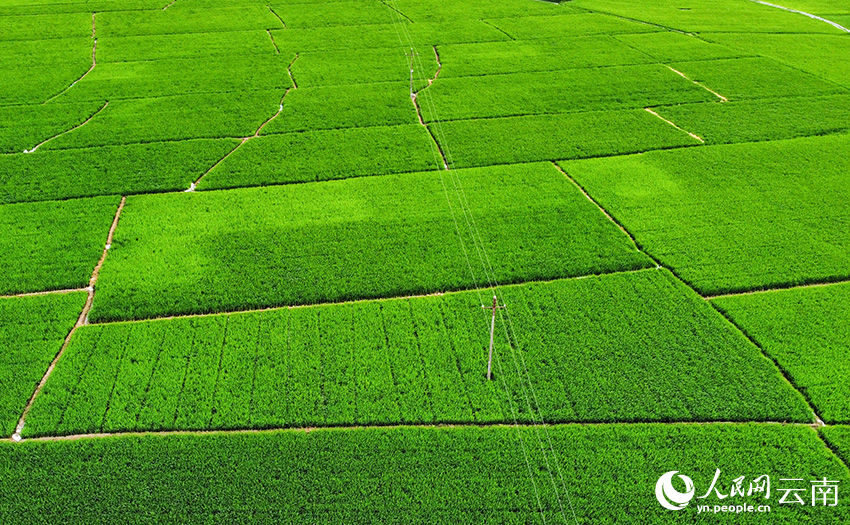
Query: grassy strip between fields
{"points": [[807, 331], [603, 474], [637, 346]]}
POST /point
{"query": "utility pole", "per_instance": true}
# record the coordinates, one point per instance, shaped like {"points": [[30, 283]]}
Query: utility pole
{"points": [[412, 56], [492, 331]]}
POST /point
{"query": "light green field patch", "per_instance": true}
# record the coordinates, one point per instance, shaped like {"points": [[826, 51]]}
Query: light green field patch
{"points": [[807, 332], [180, 19], [669, 46], [737, 217], [562, 26]]}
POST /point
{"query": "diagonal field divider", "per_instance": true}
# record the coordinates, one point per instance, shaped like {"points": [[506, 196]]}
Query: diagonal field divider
{"points": [[82, 320], [693, 135]]}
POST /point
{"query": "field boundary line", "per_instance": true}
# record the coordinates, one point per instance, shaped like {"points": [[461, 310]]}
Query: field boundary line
{"points": [[397, 11], [44, 292], [78, 126], [169, 5], [93, 26], [499, 29], [778, 289], [605, 212], [93, 64], [272, 11], [82, 320], [414, 97], [830, 22], [686, 77], [256, 134], [276, 49], [818, 423], [693, 135], [390, 426]]}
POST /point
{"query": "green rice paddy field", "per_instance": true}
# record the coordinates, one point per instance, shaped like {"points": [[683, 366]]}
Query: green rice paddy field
{"points": [[246, 245]]}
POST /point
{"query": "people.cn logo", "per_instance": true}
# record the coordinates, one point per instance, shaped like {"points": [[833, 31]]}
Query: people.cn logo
{"points": [[669, 497]]}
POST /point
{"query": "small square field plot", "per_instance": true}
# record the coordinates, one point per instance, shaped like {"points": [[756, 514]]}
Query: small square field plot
{"points": [[636, 346], [32, 330], [492, 475], [52, 245], [807, 332], [353, 239], [734, 218]]}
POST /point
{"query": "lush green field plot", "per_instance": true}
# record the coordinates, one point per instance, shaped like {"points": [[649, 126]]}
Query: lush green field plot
{"points": [[404, 475], [668, 46], [445, 12], [807, 331], [562, 26], [318, 156], [544, 92], [839, 439], [335, 107], [824, 8], [22, 127], [27, 7], [700, 16], [206, 115], [31, 333], [748, 78], [52, 245], [522, 56], [826, 56], [190, 45], [32, 79], [183, 76], [737, 217], [422, 361], [180, 19], [550, 137], [44, 26], [359, 238], [756, 120], [163, 166], [343, 68], [323, 14]]}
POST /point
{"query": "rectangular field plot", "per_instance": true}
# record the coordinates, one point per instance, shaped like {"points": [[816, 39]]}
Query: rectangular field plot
{"points": [[183, 76], [37, 70], [557, 92], [563, 26], [827, 56], [493, 475], [734, 218], [52, 245], [757, 120], [189, 45], [325, 155], [365, 66], [668, 46], [445, 12], [422, 361], [324, 14], [44, 26], [22, 128], [807, 332], [206, 115], [137, 168], [749, 78], [336, 107], [552, 137], [32, 330], [698, 16], [179, 19], [518, 56], [351, 239]]}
